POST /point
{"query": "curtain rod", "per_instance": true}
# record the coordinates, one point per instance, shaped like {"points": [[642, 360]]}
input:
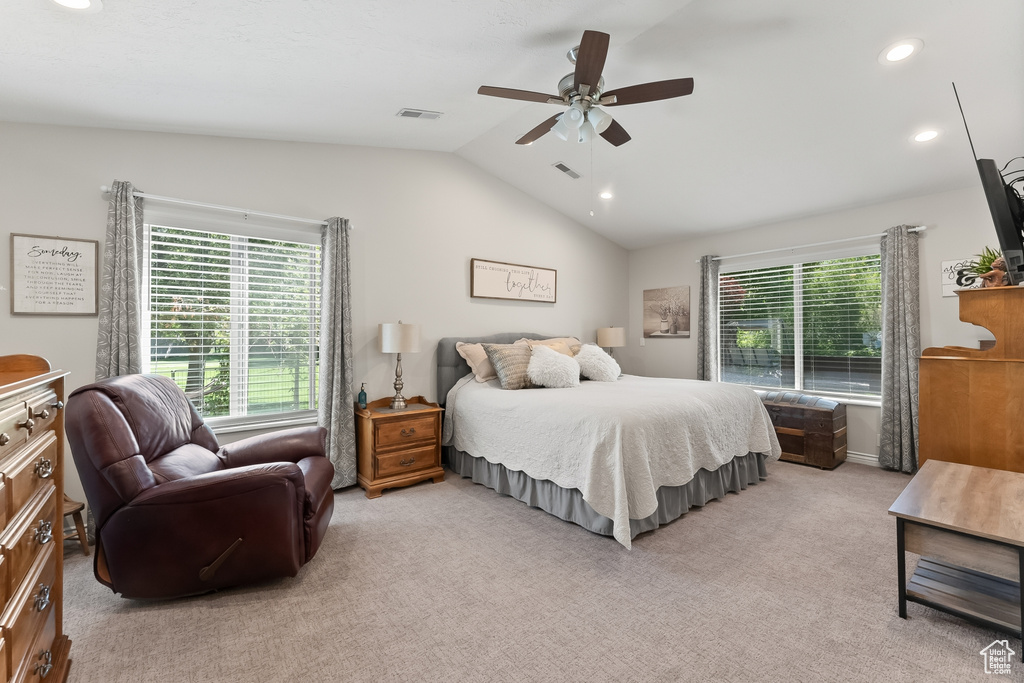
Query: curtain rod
{"points": [[919, 228], [171, 200]]}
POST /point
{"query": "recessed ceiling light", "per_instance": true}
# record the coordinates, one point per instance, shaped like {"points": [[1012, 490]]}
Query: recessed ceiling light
{"points": [[606, 195], [81, 5], [926, 135], [900, 50]]}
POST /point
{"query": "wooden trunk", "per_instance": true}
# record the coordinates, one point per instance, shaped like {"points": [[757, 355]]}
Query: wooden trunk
{"points": [[811, 430]]}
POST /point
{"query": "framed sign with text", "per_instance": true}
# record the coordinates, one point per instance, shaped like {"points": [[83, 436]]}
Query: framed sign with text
{"points": [[497, 280], [54, 275]]}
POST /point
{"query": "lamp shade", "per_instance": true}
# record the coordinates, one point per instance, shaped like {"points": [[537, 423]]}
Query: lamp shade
{"points": [[399, 337], [609, 337]]}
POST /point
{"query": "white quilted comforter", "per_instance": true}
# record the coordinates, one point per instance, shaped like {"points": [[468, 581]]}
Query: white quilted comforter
{"points": [[617, 442]]}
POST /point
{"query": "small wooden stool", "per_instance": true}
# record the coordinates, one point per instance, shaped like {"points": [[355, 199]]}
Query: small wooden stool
{"points": [[74, 508]]}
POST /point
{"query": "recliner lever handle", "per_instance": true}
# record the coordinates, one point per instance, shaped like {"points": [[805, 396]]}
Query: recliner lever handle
{"points": [[206, 573]]}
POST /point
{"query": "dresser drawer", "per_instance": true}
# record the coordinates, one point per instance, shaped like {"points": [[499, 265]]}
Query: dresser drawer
{"points": [[28, 610], [41, 656], [412, 460], [43, 408], [30, 533], [28, 470], [13, 433], [399, 433]]}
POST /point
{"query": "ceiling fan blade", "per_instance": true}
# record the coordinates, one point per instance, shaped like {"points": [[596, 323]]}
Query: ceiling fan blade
{"points": [[538, 131], [513, 94], [616, 134], [649, 92], [590, 59]]}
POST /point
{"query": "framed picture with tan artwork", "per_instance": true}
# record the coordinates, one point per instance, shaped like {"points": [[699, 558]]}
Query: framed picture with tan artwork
{"points": [[667, 312]]}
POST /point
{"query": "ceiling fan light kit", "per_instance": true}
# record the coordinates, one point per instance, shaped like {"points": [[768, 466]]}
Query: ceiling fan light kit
{"points": [[583, 91]]}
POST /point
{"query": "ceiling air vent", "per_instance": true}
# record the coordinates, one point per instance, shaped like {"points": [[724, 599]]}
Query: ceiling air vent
{"points": [[567, 171], [418, 114]]}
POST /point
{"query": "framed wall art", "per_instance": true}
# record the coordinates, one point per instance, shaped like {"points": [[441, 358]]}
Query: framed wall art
{"points": [[498, 280], [54, 275], [667, 312], [958, 275]]}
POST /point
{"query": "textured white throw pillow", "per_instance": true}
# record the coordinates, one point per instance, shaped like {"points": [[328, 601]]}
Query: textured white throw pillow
{"points": [[597, 365], [549, 368]]}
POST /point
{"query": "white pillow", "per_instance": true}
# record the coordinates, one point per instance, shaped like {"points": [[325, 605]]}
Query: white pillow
{"points": [[597, 365], [549, 368]]}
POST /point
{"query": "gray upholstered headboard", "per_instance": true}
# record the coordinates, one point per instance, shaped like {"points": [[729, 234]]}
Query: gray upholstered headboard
{"points": [[451, 367]]}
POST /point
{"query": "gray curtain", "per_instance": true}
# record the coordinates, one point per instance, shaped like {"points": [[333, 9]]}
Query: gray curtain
{"points": [[707, 324], [336, 377], [118, 346], [901, 349]]}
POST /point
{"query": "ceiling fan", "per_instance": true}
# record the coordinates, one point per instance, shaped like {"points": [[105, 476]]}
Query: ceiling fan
{"points": [[583, 91]]}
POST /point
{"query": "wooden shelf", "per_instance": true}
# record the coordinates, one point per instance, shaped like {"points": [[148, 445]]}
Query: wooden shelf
{"points": [[968, 593]]}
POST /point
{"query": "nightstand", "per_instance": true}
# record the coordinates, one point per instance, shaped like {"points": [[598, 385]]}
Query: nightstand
{"points": [[398, 447]]}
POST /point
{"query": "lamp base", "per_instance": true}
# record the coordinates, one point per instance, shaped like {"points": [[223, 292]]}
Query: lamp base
{"points": [[398, 402]]}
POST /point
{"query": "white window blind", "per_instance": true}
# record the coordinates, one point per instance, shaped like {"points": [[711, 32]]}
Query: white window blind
{"points": [[813, 326], [234, 319]]}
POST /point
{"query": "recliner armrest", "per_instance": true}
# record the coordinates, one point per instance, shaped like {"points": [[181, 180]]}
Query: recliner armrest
{"points": [[286, 445], [222, 484]]}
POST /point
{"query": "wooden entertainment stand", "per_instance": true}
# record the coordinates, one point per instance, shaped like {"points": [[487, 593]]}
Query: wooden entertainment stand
{"points": [[971, 407]]}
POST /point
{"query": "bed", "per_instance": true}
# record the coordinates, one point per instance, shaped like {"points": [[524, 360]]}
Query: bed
{"points": [[617, 458]]}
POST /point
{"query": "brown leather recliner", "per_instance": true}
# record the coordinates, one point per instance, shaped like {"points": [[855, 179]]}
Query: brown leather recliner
{"points": [[177, 514]]}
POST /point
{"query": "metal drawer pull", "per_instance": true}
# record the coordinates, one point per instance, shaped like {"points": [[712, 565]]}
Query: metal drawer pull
{"points": [[44, 532], [59, 405], [406, 463], [409, 433], [44, 468], [28, 424], [42, 600], [4, 439], [44, 669]]}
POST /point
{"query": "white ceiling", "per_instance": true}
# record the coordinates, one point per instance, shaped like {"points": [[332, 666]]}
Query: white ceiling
{"points": [[791, 115]]}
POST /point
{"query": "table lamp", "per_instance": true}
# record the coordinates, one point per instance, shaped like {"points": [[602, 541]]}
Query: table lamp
{"points": [[398, 338], [611, 337]]}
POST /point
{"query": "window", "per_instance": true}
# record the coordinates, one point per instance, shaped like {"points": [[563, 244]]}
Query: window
{"points": [[813, 326], [234, 319]]}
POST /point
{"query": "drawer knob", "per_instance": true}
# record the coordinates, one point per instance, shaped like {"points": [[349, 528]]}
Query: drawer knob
{"points": [[44, 669], [4, 439], [408, 432], [406, 463], [42, 600], [59, 405], [28, 424], [44, 532], [42, 414], [44, 468]]}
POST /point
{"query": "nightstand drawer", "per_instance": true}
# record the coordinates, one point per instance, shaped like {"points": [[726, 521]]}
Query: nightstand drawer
{"points": [[13, 431], [409, 430], [406, 461]]}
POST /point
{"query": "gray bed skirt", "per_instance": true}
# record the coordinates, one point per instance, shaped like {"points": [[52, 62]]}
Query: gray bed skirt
{"points": [[568, 504]]}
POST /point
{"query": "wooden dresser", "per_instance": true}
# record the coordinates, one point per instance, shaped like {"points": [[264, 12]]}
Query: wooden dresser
{"points": [[398, 447], [971, 407], [33, 646]]}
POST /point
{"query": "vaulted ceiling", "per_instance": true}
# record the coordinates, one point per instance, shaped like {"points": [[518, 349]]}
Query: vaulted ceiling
{"points": [[792, 113]]}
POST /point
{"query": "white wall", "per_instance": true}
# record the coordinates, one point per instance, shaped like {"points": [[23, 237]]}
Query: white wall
{"points": [[417, 217], [959, 225]]}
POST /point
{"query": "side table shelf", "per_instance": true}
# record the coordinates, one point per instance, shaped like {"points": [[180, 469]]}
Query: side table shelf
{"points": [[398, 447]]}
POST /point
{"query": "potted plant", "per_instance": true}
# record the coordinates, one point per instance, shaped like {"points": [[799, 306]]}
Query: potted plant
{"points": [[990, 268]]}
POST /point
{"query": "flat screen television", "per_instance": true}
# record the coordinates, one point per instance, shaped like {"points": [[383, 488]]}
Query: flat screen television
{"points": [[1008, 215]]}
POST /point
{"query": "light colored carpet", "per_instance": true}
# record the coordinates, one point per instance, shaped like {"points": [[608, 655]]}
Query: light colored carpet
{"points": [[792, 580]]}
